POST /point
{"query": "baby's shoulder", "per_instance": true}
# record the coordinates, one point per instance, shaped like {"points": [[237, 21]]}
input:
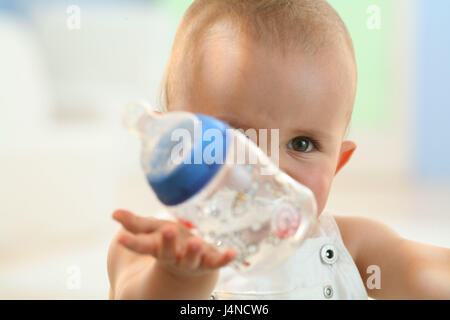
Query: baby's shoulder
{"points": [[359, 232], [348, 228]]}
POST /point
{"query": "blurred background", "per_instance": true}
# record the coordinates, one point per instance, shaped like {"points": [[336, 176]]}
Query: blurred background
{"points": [[67, 68]]}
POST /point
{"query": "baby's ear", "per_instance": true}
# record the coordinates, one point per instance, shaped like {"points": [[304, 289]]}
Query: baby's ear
{"points": [[347, 150]]}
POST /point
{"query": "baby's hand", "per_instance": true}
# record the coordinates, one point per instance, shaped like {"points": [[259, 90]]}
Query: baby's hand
{"points": [[171, 244]]}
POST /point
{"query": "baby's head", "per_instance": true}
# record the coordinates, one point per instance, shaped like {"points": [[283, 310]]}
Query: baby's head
{"points": [[271, 64]]}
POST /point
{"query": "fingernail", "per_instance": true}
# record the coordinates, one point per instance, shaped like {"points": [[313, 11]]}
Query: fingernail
{"points": [[124, 239], [117, 214], [232, 254], [169, 234], [194, 246]]}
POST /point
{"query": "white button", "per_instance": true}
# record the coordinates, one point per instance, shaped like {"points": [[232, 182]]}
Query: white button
{"points": [[329, 254], [328, 292]]}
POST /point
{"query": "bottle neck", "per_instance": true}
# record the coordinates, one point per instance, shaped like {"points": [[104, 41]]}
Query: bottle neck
{"points": [[137, 118]]}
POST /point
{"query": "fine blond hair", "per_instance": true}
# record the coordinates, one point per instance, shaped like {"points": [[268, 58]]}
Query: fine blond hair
{"points": [[283, 25]]}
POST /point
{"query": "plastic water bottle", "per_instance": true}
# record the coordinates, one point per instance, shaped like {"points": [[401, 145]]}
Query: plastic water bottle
{"points": [[222, 186]]}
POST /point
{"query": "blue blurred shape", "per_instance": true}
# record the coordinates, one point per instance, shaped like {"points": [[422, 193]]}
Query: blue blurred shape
{"points": [[432, 143], [11, 6]]}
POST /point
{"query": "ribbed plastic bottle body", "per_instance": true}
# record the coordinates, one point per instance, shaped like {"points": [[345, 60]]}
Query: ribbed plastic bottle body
{"points": [[247, 204]]}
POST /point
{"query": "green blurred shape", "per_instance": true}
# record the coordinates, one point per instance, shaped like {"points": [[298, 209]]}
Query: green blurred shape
{"points": [[373, 46], [177, 7]]}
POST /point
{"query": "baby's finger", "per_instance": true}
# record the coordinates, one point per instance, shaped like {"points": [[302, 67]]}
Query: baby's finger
{"points": [[136, 224], [168, 247], [214, 260], [145, 244], [192, 257]]}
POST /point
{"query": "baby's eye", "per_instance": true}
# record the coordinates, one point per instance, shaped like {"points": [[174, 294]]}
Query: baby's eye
{"points": [[301, 144]]}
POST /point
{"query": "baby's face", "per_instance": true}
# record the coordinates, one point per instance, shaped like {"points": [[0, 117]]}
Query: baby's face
{"points": [[308, 98]]}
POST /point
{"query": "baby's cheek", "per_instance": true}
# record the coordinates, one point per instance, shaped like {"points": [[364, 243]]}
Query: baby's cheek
{"points": [[321, 190], [318, 180]]}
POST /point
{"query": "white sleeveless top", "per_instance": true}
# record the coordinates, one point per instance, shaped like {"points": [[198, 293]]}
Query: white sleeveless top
{"points": [[322, 268]]}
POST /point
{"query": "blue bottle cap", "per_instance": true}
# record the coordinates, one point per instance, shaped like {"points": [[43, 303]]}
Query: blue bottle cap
{"points": [[182, 181]]}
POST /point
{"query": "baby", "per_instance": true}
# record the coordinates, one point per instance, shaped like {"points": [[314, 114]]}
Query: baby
{"points": [[273, 64]]}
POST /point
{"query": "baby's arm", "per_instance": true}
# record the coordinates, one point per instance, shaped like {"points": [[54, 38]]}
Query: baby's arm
{"points": [[158, 259], [409, 270]]}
